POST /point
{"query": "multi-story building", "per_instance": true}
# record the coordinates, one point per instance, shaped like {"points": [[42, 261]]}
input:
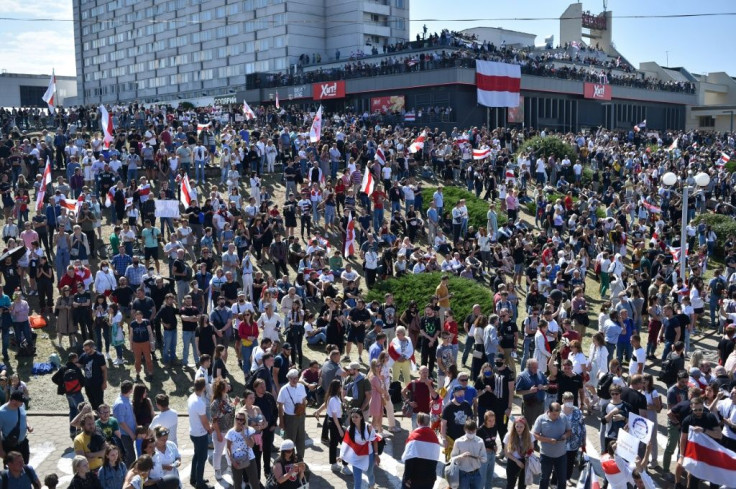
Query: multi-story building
{"points": [[156, 50]]}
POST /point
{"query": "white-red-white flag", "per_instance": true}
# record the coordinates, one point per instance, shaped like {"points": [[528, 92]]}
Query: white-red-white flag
{"points": [[418, 143], [422, 443], [481, 153], [707, 460], [588, 479], [248, 112], [499, 84], [368, 184], [356, 454], [186, 194], [110, 197], [202, 127], [107, 127], [380, 156], [350, 237], [315, 132], [50, 95], [723, 160], [278, 106], [45, 180]]}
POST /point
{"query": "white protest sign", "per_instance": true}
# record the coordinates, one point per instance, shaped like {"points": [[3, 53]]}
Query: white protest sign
{"points": [[167, 208], [628, 446], [641, 427]]}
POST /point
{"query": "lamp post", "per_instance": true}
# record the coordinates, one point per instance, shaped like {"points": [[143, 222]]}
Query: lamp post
{"points": [[670, 179]]}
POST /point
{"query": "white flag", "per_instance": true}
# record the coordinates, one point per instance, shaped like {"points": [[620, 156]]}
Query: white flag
{"points": [[315, 132], [50, 96], [107, 128]]}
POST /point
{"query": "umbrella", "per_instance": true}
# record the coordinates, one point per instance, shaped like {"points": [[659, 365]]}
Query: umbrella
{"points": [[15, 254]]}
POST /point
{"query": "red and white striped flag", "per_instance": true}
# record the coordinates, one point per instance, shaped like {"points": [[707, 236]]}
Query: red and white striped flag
{"points": [[418, 143], [674, 144], [202, 127], [499, 84], [410, 117], [350, 237], [368, 185], [315, 132], [481, 153], [640, 126], [356, 454], [707, 460], [107, 127], [380, 157], [50, 96], [278, 106], [651, 207], [723, 160], [72, 206], [422, 443], [110, 197], [248, 112], [463, 138], [588, 479], [45, 180], [186, 194]]}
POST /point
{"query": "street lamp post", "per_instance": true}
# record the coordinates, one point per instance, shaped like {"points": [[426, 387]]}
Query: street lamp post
{"points": [[670, 179]]}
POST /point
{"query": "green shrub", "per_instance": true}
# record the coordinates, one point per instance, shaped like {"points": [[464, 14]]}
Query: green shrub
{"points": [[477, 208], [730, 167], [546, 147], [724, 226], [421, 288]]}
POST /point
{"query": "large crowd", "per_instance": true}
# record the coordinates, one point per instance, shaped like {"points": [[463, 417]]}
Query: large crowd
{"points": [[256, 265]]}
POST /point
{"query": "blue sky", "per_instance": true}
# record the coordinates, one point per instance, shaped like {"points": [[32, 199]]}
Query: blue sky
{"points": [[697, 43]]}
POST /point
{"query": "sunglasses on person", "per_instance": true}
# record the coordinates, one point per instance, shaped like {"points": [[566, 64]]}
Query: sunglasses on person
{"points": [[241, 420]]}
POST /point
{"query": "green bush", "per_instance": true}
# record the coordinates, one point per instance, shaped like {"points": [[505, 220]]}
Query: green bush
{"points": [[477, 208], [730, 167], [547, 146], [421, 288], [724, 226]]}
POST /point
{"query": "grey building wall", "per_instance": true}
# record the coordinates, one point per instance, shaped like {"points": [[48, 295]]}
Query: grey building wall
{"points": [[11, 83]]}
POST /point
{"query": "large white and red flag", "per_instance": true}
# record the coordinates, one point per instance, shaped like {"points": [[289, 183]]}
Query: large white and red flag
{"points": [[110, 197], [186, 195], [380, 156], [356, 454], [350, 237], [481, 153], [107, 127], [396, 350], [588, 479], [248, 112], [707, 460], [422, 443], [202, 127], [418, 143], [45, 180], [278, 106], [50, 95], [499, 84], [315, 132], [368, 184]]}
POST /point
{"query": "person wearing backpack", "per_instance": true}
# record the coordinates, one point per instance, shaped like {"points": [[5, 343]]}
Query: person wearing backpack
{"points": [[673, 363], [19, 475], [70, 380], [717, 287], [182, 274]]}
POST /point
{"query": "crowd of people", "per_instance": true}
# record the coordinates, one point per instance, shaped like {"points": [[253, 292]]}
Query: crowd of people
{"points": [[256, 262]]}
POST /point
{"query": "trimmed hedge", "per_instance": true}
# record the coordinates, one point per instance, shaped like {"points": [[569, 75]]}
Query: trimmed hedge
{"points": [[421, 288], [724, 226], [477, 208], [547, 146]]}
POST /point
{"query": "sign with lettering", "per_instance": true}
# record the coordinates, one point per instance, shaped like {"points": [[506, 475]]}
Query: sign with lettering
{"points": [[597, 91], [225, 100], [328, 90]]}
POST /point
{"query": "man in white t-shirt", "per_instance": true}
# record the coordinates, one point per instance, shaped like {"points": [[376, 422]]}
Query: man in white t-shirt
{"points": [[727, 410], [638, 356], [168, 418], [292, 401], [199, 427]]}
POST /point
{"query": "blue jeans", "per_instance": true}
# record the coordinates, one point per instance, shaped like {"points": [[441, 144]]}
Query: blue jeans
{"points": [[469, 344], [73, 400], [686, 339], [188, 338], [22, 331], [470, 480], [132, 174], [667, 349], [169, 352], [6, 324], [623, 350], [62, 260], [377, 219], [526, 348], [714, 322], [245, 353], [199, 459], [316, 338], [199, 170], [560, 466], [358, 474], [486, 471]]}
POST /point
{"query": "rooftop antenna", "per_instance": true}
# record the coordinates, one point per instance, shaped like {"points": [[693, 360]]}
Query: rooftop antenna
{"points": [[605, 5]]}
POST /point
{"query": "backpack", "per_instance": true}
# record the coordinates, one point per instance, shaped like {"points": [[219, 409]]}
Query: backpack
{"points": [[603, 385], [188, 272], [668, 373], [72, 381], [719, 287], [251, 376]]}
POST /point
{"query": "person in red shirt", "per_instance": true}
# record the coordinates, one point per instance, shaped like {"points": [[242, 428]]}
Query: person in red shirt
{"points": [[378, 197], [70, 278], [451, 326]]}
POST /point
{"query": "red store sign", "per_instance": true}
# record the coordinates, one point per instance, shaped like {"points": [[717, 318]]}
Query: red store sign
{"points": [[328, 90], [597, 91]]}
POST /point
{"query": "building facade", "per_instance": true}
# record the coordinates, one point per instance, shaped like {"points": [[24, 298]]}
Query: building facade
{"points": [[158, 50], [19, 90]]}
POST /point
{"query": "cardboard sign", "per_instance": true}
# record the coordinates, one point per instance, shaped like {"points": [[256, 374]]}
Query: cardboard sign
{"points": [[641, 428], [167, 208], [628, 447]]}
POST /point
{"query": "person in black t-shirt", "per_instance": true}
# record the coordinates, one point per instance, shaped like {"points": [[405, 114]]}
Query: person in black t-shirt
{"points": [[204, 336], [726, 345], [429, 332], [703, 421], [634, 397], [508, 334], [454, 416], [569, 381], [141, 342]]}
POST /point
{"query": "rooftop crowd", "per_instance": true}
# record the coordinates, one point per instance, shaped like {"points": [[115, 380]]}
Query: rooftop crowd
{"points": [[254, 266]]}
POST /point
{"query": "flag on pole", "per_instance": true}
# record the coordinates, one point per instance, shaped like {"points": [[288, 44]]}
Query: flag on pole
{"points": [[651, 207], [706, 459], [640, 126], [107, 128], [50, 95], [315, 132], [248, 112], [499, 84], [45, 180], [349, 237], [380, 157], [723, 160], [368, 184], [418, 143], [674, 144], [278, 106], [482, 153], [186, 194]]}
